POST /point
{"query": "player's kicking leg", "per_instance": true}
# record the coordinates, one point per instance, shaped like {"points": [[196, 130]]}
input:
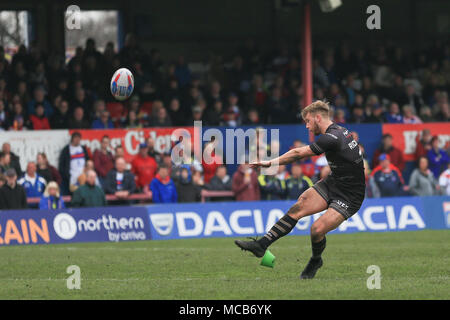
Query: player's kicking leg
{"points": [[329, 221], [310, 202]]}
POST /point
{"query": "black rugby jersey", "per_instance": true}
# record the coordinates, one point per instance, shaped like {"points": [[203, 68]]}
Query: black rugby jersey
{"points": [[343, 155]]}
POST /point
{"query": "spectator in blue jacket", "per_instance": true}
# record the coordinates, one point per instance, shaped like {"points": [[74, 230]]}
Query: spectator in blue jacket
{"points": [[162, 187], [104, 122], [33, 183], [394, 115], [39, 98], [438, 158], [52, 198]]}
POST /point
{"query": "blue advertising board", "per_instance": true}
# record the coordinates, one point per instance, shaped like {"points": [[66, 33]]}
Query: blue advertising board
{"points": [[207, 220], [74, 225], [236, 219]]}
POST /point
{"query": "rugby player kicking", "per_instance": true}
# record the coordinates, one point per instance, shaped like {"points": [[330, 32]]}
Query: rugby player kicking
{"points": [[341, 193]]}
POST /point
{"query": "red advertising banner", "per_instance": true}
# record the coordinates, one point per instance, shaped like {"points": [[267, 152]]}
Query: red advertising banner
{"points": [[130, 139], [405, 136]]}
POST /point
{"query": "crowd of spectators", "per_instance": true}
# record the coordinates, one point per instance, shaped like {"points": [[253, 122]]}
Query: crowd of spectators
{"points": [[39, 91], [378, 83], [89, 178]]}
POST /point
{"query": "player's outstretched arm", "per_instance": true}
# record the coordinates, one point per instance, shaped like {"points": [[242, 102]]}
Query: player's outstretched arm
{"points": [[289, 157]]}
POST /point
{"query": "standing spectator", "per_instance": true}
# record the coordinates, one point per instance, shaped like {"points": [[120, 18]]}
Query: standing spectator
{"points": [[437, 158], [395, 155], [61, 116], [5, 162], [162, 187], [221, 180], [104, 122], [245, 184], [144, 167], [46, 170], [103, 159], [187, 191], [297, 183], [14, 159], [81, 180], [33, 183], [272, 187], [2, 180], [386, 179], [444, 181], [52, 198], [422, 181], [119, 181], [89, 194], [71, 161], [210, 165], [423, 143], [12, 195]]}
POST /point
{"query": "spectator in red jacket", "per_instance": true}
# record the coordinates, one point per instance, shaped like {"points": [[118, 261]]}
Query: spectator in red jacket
{"points": [[423, 144], [144, 168], [103, 159], [395, 154], [211, 164], [39, 120], [245, 184]]}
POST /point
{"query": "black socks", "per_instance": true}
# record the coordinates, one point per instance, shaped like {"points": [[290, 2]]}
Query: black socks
{"points": [[318, 247], [279, 229]]}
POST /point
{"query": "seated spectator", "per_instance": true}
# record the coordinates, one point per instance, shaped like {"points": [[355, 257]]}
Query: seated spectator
{"points": [[72, 160], [38, 120], [119, 181], [144, 168], [132, 121], [245, 184], [444, 181], [273, 187], [61, 116], [375, 115], [422, 181], [395, 155], [162, 187], [104, 122], [39, 98], [386, 179], [47, 171], [394, 116], [12, 195], [160, 118], [89, 194], [438, 158], [103, 159], [297, 183], [409, 116], [78, 121], [187, 191], [33, 183], [15, 160], [52, 198]]}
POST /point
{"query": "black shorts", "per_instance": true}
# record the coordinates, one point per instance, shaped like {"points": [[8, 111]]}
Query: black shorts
{"points": [[345, 199]]}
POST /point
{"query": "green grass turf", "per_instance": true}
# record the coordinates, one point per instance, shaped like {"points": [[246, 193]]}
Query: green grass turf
{"points": [[414, 265]]}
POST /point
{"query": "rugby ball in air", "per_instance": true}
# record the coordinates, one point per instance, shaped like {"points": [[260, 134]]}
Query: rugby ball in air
{"points": [[122, 84]]}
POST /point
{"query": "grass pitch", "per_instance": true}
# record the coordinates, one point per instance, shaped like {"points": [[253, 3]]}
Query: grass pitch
{"points": [[414, 265]]}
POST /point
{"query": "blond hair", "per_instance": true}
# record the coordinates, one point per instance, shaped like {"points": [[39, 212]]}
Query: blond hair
{"points": [[318, 106], [51, 184]]}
